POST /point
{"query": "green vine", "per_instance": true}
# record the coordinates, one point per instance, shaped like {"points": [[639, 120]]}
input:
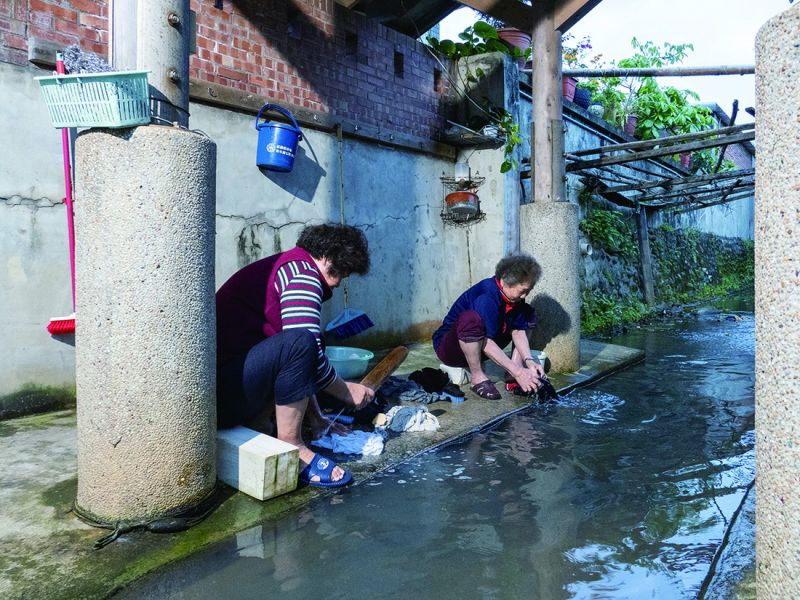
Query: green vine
{"points": [[481, 38]]}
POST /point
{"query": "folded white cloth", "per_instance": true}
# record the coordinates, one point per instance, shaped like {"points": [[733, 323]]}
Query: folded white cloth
{"points": [[411, 418], [355, 442]]}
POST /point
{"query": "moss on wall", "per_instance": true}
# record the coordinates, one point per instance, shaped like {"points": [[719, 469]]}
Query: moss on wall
{"points": [[32, 399], [687, 266]]}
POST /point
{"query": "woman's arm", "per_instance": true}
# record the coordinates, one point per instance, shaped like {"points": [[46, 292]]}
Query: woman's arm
{"points": [[521, 343], [350, 393]]}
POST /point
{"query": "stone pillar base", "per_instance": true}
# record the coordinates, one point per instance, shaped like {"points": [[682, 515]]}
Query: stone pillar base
{"points": [[549, 231]]}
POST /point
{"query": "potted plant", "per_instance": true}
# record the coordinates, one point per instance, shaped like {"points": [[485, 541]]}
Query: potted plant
{"points": [[481, 38], [583, 94], [574, 53]]}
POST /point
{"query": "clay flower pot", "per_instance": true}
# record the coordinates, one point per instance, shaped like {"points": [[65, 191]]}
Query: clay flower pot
{"points": [[515, 38], [568, 88], [630, 124]]}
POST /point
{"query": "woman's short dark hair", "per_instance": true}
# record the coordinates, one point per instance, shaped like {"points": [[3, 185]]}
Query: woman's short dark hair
{"points": [[518, 268], [343, 245]]}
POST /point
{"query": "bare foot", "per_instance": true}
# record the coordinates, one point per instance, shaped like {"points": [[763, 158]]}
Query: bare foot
{"points": [[307, 455]]}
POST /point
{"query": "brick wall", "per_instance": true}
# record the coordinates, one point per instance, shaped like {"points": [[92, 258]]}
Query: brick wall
{"points": [[56, 21], [316, 55], [310, 54]]}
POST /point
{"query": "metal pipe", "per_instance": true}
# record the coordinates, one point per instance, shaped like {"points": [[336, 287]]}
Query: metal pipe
{"points": [[660, 72]]}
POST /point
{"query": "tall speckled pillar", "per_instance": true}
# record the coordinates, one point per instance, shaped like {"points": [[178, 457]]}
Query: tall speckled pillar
{"points": [[777, 241], [549, 231], [145, 343]]}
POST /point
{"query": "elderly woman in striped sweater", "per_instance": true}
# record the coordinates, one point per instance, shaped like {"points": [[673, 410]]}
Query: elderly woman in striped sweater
{"points": [[269, 350]]}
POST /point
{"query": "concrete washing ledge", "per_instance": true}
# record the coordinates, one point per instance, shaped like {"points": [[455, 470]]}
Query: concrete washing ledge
{"points": [[46, 552]]}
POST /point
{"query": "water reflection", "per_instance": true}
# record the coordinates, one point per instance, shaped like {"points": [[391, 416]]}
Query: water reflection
{"points": [[623, 490]]}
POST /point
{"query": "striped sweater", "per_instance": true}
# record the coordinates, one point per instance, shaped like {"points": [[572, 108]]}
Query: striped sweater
{"points": [[283, 291], [298, 285]]}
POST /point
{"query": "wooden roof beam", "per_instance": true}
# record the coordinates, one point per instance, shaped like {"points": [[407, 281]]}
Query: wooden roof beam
{"points": [[516, 14]]}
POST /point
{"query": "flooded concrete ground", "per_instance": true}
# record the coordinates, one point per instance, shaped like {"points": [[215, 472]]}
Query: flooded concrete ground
{"points": [[625, 489], [47, 553]]}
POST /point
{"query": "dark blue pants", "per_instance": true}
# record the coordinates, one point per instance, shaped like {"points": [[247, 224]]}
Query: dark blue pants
{"points": [[282, 369]]}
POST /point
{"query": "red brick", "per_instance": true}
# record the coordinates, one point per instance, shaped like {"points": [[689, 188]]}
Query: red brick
{"points": [[40, 19], [12, 26], [93, 21], [69, 27], [13, 56], [57, 11], [11, 40], [87, 6]]}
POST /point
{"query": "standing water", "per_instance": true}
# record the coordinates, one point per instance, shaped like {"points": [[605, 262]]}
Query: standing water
{"points": [[622, 490]]}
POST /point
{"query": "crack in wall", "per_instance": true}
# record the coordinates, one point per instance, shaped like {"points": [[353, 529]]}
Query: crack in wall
{"points": [[35, 203]]}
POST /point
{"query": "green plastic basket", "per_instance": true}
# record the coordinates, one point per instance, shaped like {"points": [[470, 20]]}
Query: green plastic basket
{"points": [[119, 99]]}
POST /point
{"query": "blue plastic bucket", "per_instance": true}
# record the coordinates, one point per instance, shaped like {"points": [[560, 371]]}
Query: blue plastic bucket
{"points": [[277, 142]]}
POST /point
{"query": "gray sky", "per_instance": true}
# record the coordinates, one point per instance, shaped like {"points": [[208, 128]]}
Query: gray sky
{"points": [[722, 31]]}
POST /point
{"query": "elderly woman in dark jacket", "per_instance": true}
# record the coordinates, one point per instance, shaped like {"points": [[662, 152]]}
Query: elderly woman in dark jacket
{"points": [[485, 318]]}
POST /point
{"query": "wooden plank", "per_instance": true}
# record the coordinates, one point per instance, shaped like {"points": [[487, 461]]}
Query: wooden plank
{"points": [[671, 181], [647, 144], [645, 258], [516, 14], [688, 191], [220, 95], [732, 198], [706, 200], [511, 12], [676, 149], [547, 106], [569, 12], [256, 464], [664, 71]]}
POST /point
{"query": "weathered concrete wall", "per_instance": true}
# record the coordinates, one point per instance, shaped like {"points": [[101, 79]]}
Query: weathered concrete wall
{"points": [[778, 307], [420, 265], [34, 264]]}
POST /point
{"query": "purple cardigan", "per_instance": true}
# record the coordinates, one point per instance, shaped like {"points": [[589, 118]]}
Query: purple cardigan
{"points": [[249, 305]]}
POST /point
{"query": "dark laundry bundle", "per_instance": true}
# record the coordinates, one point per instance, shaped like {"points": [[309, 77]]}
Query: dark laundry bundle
{"points": [[545, 393], [435, 381]]}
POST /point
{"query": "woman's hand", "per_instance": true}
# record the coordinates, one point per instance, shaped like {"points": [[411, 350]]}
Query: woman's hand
{"points": [[528, 379], [535, 367], [360, 395], [321, 424]]}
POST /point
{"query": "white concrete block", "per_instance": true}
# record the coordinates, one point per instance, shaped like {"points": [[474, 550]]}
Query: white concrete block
{"points": [[457, 375], [254, 463]]}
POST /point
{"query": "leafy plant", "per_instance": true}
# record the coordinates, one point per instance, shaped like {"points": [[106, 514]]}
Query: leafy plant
{"points": [[575, 52], [481, 38], [658, 109], [608, 230]]}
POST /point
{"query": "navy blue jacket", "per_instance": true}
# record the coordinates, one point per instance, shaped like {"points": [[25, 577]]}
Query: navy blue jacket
{"points": [[486, 299]]}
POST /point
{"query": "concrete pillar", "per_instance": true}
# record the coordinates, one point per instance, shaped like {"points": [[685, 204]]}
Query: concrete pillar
{"points": [[549, 231], [645, 257], [156, 35], [145, 353], [777, 273], [549, 226]]}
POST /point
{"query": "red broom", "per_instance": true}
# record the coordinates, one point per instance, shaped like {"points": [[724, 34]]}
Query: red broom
{"points": [[66, 325]]}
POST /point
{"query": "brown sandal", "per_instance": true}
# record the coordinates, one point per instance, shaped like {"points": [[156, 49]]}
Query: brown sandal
{"points": [[486, 389]]}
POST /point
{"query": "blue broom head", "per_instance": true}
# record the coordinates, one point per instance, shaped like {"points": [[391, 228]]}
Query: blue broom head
{"points": [[349, 323]]}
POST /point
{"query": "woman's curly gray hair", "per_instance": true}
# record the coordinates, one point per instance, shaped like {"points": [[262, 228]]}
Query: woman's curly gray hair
{"points": [[518, 268]]}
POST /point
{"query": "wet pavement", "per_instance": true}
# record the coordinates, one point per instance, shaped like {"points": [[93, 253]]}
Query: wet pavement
{"points": [[46, 552]]}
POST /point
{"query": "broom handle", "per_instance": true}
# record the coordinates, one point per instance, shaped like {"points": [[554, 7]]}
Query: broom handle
{"points": [[68, 190], [375, 378]]}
